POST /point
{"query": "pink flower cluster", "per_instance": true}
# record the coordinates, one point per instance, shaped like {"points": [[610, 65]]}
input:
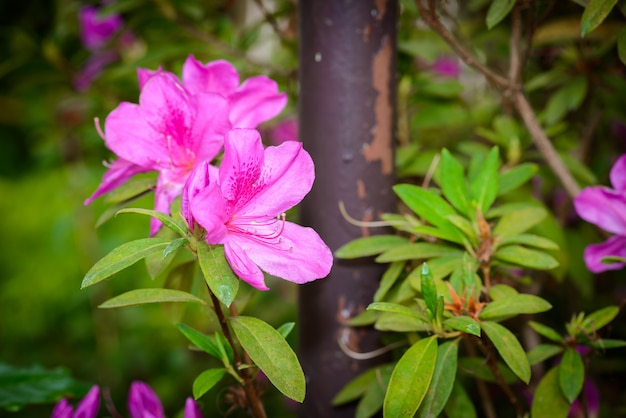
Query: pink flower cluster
{"points": [[179, 127]]}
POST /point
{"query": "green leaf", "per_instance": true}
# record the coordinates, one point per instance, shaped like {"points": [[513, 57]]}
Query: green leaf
{"points": [[395, 308], [398, 322], [368, 246], [500, 291], [167, 220], [410, 379], [530, 240], [571, 374], [453, 183], [429, 206], [429, 291], [599, 318], [525, 257], [464, 323], [459, 403], [514, 223], [174, 245], [217, 272], [542, 352], [513, 305], [546, 331], [285, 329], [415, 251], [271, 353], [569, 97], [355, 388], [373, 397], [606, 343], [206, 380], [548, 401], [509, 348], [477, 368], [133, 187], [594, 14], [621, 46], [389, 279], [498, 10], [442, 382], [484, 187], [203, 342], [154, 295], [121, 257], [515, 177]]}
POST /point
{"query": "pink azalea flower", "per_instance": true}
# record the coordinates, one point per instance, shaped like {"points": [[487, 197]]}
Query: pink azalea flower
{"points": [[606, 208], [169, 131], [285, 130], [446, 67], [87, 408], [96, 31], [144, 403], [243, 207], [254, 101]]}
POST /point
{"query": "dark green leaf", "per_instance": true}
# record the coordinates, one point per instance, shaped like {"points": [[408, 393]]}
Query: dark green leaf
{"points": [[416, 251], [530, 240], [498, 10], [509, 348], [571, 374], [453, 184], [206, 380], [355, 388], [599, 318], [569, 97], [364, 318], [442, 382], [154, 295], [121, 257], [410, 379], [167, 220], [513, 305], [546, 331], [621, 46], [594, 14], [217, 272], [429, 291], [478, 368], [389, 279], [605, 343], [500, 291], [514, 223], [224, 347], [203, 342], [459, 403], [548, 401], [525, 257], [285, 329], [484, 187], [542, 352], [271, 353], [372, 400], [464, 323], [368, 246], [397, 322], [515, 177], [395, 308]]}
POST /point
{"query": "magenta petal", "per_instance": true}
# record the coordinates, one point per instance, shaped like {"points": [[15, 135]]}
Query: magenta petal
{"points": [[256, 101], [62, 409], [89, 406], [211, 211], [210, 112], [144, 74], [95, 32], [603, 207], [191, 409], [128, 135], [618, 174], [241, 165], [215, 77], [242, 265], [198, 180], [300, 256], [143, 402], [118, 173], [614, 246]]}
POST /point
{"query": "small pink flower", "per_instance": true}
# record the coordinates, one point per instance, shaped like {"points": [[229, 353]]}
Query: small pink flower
{"points": [[606, 208], [144, 403], [446, 67], [243, 207], [87, 408], [96, 31]]}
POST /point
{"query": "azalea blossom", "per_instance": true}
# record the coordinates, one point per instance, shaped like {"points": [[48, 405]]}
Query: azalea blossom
{"points": [[242, 206], [87, 408], [144, 403], [169, 131], [606, 208], [96, 31]]}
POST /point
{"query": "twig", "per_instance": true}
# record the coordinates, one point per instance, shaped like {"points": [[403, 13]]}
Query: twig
{"points": [[269, 18], [248, 385], [483, 392], [515, 59]]}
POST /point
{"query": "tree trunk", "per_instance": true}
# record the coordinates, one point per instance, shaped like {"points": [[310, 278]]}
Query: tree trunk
{"points": [[347, 123]]}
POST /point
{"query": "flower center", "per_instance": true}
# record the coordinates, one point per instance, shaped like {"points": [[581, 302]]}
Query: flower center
{"points": [[265, 230]]}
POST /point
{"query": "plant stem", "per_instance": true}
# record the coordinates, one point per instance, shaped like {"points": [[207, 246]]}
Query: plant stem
{"points": [[254, 402], [485, 397]]}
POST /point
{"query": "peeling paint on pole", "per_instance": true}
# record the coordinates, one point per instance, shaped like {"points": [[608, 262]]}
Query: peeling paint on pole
{"points": [[347, 123]]}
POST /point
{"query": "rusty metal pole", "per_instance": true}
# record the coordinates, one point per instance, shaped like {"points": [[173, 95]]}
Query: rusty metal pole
{"points": [[347, 123]]}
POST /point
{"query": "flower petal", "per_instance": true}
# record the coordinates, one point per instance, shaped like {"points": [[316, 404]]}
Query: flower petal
{"points": [[242, 265], [119, 171], [62, 409], [602, 207], [241, 166], [129, 136], [300, 256], [211, 211], [618, 174], [256, 101], [215, 77], [143, 402], [144, 74], [210, 124], [198, 180], [191, 409], [614, 246], [89, 406]]}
